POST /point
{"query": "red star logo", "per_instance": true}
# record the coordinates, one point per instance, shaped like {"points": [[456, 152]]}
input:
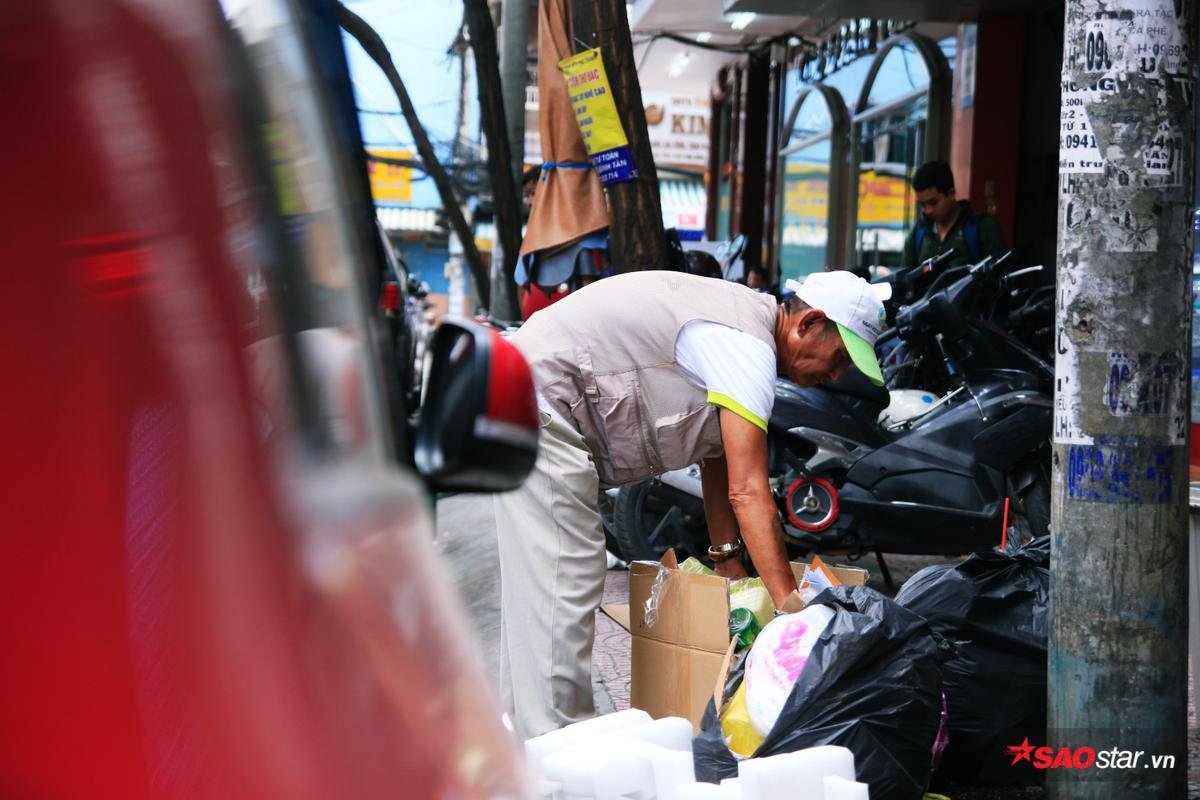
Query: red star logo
{"points": [[1021, 751]]}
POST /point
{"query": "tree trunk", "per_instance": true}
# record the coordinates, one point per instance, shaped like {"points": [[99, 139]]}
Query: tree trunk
{"points": [[637, 240], [506, 201], [514, 75], [1118, 625], [371, 42]]}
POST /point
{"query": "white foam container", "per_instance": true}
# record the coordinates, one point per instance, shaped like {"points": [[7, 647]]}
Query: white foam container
{"points": [[838, 788], [791, 775], [673, 733], [537, 748], [673, 769], [605, 767], [708, 791]]}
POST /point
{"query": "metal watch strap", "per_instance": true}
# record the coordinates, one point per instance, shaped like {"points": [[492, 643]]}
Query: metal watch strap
{"points": [[724, 552]]}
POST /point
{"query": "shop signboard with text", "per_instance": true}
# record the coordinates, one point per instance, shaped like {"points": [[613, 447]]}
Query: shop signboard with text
{"points": [[390, 183], [678, 128]]}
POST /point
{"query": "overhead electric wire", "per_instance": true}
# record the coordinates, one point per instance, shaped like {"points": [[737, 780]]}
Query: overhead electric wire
{"points": [[757, 46]]}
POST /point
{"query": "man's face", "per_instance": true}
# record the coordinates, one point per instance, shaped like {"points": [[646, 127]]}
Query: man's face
{"points": [[813, 351], [935, 205]]}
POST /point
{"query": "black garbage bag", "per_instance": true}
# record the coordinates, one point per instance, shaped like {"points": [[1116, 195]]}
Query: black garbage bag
{"points": [[994, 606], [871, 684]]}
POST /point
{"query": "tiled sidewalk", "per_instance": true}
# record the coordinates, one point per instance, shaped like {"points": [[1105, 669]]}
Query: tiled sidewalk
{"points": [[610, 656]]}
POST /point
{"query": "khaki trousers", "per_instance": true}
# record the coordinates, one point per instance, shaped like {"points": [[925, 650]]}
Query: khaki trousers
{"points": [[552, 566]]}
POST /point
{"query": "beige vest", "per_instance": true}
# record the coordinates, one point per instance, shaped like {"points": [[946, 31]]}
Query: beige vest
{"points": [[604, 358]]}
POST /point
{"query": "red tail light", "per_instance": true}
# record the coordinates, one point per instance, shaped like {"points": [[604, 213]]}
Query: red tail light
{"points": [[389, 301]]}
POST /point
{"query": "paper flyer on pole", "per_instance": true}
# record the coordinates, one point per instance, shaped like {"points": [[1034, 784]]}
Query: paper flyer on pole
{"points": [[596, 115]]}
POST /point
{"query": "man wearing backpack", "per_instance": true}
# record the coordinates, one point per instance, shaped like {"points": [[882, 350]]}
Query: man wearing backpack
{"points": [[947, 223]]}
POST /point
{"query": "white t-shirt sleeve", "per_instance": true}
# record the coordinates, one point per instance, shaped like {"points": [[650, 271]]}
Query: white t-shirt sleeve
{"points": [[737, 369]]}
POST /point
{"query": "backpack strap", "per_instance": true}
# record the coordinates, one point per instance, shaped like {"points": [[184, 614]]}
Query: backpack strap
{"points": [[971, 234]]}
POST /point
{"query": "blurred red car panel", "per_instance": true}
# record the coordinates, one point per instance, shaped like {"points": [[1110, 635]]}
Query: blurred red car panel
{"points": [[215, 584]]}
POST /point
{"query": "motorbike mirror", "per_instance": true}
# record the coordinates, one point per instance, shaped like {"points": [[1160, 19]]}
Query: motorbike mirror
{"points": [[479, 423], [732, 250]]}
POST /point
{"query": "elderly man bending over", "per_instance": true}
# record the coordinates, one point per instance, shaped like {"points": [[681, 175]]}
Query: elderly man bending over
{"points": [[636, 375]]}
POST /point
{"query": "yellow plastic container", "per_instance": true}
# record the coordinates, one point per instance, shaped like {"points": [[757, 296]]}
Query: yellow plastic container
{"points": [[740, 735]]}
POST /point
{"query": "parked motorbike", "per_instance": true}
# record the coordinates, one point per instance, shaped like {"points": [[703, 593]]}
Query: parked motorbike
{"points": [[956, 463]]}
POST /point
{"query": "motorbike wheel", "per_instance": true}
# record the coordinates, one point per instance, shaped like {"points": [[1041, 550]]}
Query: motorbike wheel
{"points": [[649, 518], [605, 505], [811, 503]]}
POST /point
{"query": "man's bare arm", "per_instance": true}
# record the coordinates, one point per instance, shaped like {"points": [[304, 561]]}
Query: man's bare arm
{"points": [[753, 506], [718, 513]]}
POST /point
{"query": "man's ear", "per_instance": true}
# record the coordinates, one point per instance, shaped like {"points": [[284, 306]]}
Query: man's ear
{"points": [[810, 318]]}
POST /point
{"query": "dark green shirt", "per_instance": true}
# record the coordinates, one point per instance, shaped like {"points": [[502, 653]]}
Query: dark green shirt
{"points": [[991, 240]]}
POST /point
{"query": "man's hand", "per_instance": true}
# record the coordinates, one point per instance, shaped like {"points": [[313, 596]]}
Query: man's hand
{"points": [[731, 568]]}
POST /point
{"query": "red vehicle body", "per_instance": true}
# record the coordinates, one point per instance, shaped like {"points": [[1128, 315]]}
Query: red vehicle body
{"points": [[218, 582]]}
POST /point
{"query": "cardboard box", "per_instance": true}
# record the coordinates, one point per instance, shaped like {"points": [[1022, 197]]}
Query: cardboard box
{"points": [[676, 661]]}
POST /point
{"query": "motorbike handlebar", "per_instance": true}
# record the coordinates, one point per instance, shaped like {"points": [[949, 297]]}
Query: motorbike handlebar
{"points": [[933, 263], [907, 286], [910, 309], [941, 308], [1017, 273]]}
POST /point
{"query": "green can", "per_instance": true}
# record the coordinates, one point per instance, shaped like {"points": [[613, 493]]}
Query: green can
{"points": [[743, 626]]}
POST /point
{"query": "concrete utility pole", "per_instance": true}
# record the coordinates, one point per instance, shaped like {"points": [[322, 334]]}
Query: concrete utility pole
{"points": [[514, 75], [637, 229], [1118, 632]]}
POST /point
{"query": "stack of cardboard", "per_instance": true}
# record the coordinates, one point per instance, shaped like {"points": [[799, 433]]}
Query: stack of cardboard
{"points": [[682, 648]]}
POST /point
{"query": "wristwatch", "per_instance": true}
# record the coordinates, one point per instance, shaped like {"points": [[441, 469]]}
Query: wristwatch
{"points": [[724, 552]]}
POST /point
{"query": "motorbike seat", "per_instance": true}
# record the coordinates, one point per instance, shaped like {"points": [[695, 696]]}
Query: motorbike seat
{"points": [[854, 384]]}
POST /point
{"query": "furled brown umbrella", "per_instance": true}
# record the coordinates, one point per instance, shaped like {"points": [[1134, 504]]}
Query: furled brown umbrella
{"points": [[569, 201]]}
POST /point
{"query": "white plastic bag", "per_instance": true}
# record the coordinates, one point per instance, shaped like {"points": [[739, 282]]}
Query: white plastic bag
{"points": [[776, 660]]}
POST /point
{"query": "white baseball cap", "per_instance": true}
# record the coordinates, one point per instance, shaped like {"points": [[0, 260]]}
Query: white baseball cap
{"points": [[857, 308]]}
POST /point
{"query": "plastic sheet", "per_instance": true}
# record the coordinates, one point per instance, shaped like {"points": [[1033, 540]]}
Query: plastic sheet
{"points": [[662, 582], [871, 684], [995, 606], [779, 656]]}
